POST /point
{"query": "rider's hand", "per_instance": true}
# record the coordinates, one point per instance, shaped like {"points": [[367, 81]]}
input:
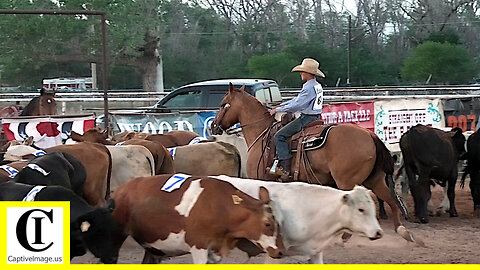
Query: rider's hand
{"points": [[273, 111]]}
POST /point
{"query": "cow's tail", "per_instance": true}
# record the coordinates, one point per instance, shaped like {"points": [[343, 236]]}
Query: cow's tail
{"points": [[167, 163], [109, 174], [466, 172], [236, 153], [151, 162], [386, 163]]}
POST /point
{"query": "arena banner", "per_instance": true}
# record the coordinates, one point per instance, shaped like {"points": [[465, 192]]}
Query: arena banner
{"points": [[159, 123], [395, 117], [47, 131], [463, 113], [361, 114]]}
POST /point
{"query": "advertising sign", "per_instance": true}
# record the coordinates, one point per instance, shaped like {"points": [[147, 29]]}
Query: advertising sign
{"points": [[361, 114]]}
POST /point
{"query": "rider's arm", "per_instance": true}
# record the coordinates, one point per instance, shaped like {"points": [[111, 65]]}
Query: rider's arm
{"points": [[298, 103]]}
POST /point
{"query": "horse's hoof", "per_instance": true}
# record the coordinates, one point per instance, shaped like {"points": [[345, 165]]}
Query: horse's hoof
{"points": [[402, 231], [454, 214]]}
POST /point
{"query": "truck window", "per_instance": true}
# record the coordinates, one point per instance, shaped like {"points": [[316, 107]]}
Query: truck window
{"points": [[269, 95], [190, 99]]}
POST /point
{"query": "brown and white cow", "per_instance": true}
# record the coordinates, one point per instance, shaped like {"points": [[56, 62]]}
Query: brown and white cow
{"points": [[172, 215]]}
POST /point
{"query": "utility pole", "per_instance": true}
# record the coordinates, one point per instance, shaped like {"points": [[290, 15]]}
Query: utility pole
{"points": [[349, 49]]}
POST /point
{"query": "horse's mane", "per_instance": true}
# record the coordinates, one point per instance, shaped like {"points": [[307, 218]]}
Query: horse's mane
{"points": [[28, 110]]}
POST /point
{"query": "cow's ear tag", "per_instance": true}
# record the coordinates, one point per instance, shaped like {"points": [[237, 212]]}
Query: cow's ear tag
{"points": [[84, 226], [236, 199], [345, 198]]}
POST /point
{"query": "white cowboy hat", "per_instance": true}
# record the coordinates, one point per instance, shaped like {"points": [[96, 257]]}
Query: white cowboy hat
{"points": [[309, 65]]}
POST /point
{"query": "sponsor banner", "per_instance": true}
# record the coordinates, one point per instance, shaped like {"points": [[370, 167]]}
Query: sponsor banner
{"points": [[198, 122], [47, 131], [361, 114], [395, 117], [35, 233], [463, 113]]}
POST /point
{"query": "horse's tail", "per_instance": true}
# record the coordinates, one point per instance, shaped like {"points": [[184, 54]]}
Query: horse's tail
{"points": [[384, 159], [109, 173], [386, 163], [236, 153]]}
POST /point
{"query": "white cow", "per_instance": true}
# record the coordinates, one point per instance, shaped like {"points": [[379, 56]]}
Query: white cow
{"points": [[128, 162], [310, 216]]}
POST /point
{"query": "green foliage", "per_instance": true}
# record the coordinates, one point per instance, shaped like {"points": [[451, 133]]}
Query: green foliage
{"points": [[448, 64], [446, 36], [273, 66]]}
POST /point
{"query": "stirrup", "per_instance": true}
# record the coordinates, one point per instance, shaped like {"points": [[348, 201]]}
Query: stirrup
{"points": [[273, 170]]}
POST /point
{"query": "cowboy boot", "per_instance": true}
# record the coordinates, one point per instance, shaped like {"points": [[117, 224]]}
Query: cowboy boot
{"points": [[283, 169]]}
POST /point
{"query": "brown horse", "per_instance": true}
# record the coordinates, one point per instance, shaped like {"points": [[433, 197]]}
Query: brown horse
{"points": [[351, 156], [44, 104]]}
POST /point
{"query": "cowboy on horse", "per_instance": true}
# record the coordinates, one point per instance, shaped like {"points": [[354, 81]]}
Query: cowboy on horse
{"points": [[309, 103]]}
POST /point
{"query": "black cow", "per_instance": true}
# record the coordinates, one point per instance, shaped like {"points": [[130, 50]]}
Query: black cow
{"points": [[56, 168], [473, 168], [431, 153], [90, 228]]}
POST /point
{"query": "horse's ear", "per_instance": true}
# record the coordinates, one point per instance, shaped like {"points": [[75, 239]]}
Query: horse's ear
{"points": [[242, 88], [230, 87], [104, 134], [54, 92], [43, 91]]}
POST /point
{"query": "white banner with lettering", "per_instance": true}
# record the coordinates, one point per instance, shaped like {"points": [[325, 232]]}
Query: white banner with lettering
{"points": [[395, 117]]}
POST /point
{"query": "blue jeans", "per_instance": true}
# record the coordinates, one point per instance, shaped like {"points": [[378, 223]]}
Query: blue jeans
{"points": [[288, 131]]}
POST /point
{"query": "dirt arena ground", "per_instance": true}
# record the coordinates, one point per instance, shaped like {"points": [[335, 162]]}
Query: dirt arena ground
{"points": [[448, 240]]}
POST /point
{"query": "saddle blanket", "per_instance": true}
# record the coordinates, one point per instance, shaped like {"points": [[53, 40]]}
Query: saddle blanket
{"points": [[316, 142]]}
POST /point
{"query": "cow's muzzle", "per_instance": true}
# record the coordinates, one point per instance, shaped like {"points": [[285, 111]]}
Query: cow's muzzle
{"points": [[378, 235]]}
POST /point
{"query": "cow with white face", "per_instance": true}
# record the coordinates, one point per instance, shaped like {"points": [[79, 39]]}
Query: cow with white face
{"points": [[313, 215], [172, 215]]}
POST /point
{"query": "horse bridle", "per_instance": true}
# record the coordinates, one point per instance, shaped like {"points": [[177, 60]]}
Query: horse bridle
{"points": [[230, 130]]}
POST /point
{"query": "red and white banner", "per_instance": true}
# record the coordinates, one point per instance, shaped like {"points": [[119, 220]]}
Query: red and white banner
{"points": [[361, 114], [47, 131]]}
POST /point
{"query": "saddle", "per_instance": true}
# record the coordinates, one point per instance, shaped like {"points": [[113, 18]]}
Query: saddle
{"points": [[312, 137]]}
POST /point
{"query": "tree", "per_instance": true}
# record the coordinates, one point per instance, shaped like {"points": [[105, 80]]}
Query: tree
{"points": [[447, 63]]}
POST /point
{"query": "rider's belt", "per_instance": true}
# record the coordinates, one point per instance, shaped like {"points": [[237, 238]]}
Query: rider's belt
{"points": [[318, 115]]}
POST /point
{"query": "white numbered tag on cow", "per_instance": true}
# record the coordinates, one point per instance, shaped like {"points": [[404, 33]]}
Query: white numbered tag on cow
{"points": [[197, 140], [172, 151], [175, 182], [33, 193]]}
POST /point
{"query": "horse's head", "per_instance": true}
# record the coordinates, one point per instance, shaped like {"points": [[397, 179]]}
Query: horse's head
{"points": [[229, 111], [47, 104]]}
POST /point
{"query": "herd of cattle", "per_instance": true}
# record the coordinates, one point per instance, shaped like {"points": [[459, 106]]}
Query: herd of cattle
{"points": [[174, 196]]}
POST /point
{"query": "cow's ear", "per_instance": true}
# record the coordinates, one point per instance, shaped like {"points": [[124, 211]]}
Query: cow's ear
{"points": [[111, 205], [84, 226], [345, 198], [76, 137], [28, 141], [264, 195]]}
